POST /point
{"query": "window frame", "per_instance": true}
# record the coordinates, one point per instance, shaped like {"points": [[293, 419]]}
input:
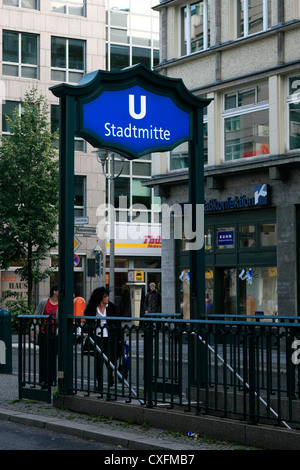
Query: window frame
{"points": [[67, 70], [242, 111], [19, 64], [37, 7], [184, 25], [292, 99], [266, 4], [67, 3]]}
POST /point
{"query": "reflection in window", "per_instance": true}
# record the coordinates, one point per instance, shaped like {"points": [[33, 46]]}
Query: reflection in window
{"points": [[67, 59], [258, 290], [195, 27], [294, 112], [69, 7], [268, 234], [79, 196], [253, 16], [20, 54], [247, 236], [31, 4], [247, 135], [208, 239], [132, 34], [8, 109]]}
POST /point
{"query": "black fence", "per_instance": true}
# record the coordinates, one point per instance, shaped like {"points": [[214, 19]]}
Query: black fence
{"points": [[243, 367]]}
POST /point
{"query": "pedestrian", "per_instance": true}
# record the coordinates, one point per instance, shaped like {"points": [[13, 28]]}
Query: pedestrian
{"points": [[153, 300], [47, 339], [107, 332], [209, 309]]}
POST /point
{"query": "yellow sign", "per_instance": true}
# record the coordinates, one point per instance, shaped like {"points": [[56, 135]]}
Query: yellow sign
{"points": [[77, 243], [139, 276]]}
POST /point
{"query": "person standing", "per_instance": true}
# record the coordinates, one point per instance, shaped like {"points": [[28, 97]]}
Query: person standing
{"points": [[107, 333], [48, 339], [153, 300]]}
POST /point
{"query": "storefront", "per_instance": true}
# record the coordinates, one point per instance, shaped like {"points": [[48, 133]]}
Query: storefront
{"points": [[240, 258], [137, 251]]}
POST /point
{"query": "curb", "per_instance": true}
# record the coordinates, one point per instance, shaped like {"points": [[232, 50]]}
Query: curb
{"points": [[90, 432], [260, 436]]}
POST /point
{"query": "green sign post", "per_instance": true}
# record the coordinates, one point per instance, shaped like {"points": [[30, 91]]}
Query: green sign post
{"points": [[132, 112]]}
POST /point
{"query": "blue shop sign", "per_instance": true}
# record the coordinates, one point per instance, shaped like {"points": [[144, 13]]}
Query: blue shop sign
{"points": [[136, 119], [225, 238]]}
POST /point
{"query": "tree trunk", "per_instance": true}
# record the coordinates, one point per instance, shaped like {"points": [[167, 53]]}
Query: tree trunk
{"points": [[29, 275]]}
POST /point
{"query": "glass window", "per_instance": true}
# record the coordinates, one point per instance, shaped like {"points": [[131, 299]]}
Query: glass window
{"points": [[247, 236], [208, 239], [294, 112], [141, 55], [79, 196], [69, 7], [32, 4], [247, 135], [195, 27], [67, 59], [252, 16], [132, 32], [246, 123], [141, 194], [179, 157], [268, 234], [20, 54], [258, 290], [119, 57], [8, 109]]}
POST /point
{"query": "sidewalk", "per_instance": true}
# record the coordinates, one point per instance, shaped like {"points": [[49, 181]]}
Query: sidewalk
{"points": [[126, 435]]}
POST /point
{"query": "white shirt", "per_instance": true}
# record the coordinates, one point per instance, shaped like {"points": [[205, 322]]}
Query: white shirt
{"points": [[103, 330]]}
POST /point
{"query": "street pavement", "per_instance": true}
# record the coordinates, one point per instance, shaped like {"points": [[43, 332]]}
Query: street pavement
{"points": [[122, 435]]}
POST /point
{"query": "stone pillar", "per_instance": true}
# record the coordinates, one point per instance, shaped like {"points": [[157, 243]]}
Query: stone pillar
{"points": [[286, 260]]}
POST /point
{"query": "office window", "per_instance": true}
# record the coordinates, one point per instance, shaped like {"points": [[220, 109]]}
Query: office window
{"points": [[69, 7], [195, 27], [132, 34], [293, 101], [8, 109], [32, 4], [252, 16], [67, 59], [129, 186], [20, 54], [79, 196], [246, 123], [180, 155]]}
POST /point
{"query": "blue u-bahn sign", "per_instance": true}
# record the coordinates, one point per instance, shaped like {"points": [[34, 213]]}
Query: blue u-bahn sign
{"points": [[136, 119], [133, 112]]}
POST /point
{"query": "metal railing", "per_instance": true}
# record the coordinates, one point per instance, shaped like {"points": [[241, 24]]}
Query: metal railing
{"points": [[240, 367]]}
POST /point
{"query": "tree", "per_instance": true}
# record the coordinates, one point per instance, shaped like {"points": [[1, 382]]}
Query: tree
{"points": [[28, 190]]}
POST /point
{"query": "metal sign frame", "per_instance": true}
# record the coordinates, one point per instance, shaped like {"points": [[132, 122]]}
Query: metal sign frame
{"points": [[72, 99]]}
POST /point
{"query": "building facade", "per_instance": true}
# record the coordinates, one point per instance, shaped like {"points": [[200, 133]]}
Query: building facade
{"points": [[244, 56], [52, 41]]}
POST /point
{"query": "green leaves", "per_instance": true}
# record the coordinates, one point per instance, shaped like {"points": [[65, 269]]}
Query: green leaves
{"points": [[28, 188]]}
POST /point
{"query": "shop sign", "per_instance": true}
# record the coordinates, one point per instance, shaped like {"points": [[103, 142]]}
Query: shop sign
{"points": [[225, 238], [261, 197]]}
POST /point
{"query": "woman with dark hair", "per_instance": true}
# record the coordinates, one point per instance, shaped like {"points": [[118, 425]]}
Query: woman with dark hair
{"points": [[47, 338], [108, 332]]}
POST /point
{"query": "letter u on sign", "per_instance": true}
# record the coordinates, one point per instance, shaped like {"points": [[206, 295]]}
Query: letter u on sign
{"points": [[142, 112]]}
